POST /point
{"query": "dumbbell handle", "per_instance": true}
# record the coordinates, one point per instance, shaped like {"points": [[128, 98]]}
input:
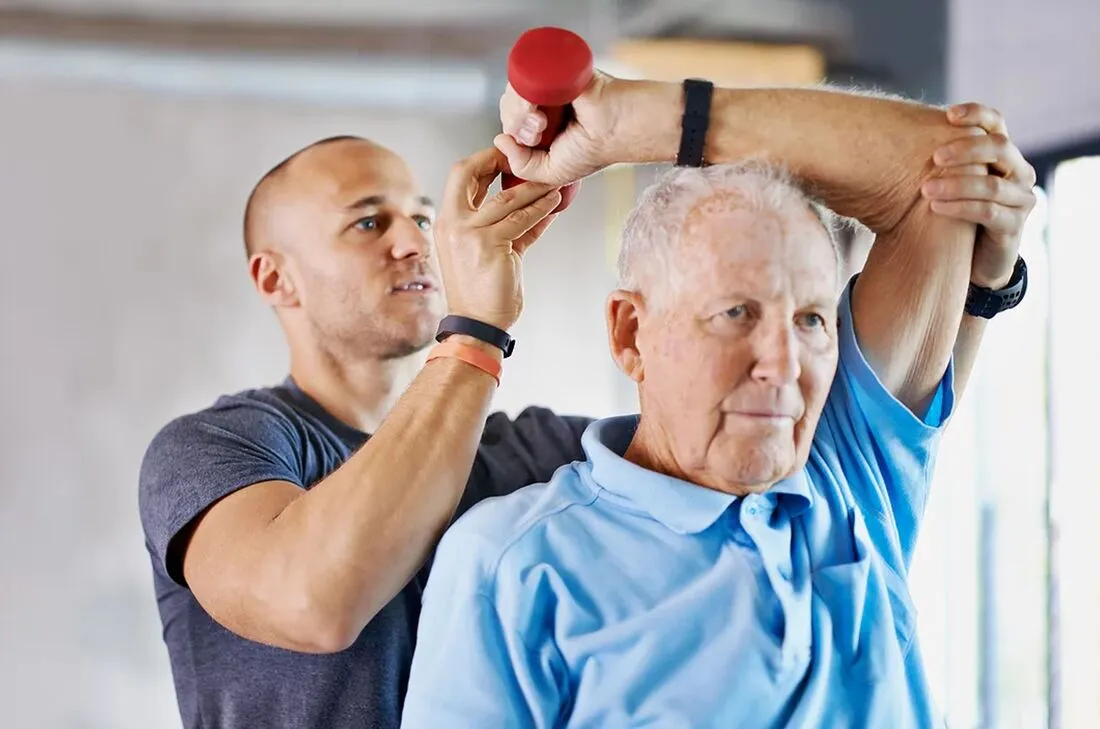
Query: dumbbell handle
{"points": [[550, 67]]}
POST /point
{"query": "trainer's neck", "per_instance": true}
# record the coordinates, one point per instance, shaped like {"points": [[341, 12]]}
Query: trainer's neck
{"points": [[360, 394]]}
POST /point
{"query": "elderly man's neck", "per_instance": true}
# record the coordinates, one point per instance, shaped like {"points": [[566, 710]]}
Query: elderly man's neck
{"points": [[358, 392], [652, 450]]}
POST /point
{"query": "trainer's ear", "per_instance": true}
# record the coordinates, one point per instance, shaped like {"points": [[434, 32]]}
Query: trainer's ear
{"points": [[273, 279]]}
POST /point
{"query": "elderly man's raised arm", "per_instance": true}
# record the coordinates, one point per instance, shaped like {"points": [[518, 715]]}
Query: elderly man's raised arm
{"points": [[868, 157], [865, 155]]}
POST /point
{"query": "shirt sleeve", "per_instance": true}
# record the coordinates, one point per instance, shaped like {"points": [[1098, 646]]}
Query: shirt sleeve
{"points": [[200, 458], [885, 451], [472, 667]]}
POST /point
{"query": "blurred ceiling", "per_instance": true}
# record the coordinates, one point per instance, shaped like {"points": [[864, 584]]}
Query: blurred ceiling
{"points": [[437, 26], [1012, 54], [430, 49]]}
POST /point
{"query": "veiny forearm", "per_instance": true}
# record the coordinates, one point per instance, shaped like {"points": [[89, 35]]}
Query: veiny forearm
{"points": [[865, 155], [353, 541]]}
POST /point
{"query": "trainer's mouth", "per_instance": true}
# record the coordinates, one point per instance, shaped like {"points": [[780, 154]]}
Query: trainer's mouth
{"points": [[418, 285]]}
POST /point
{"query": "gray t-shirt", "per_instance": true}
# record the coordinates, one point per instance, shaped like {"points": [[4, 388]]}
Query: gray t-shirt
{"points": [[226, 682]]}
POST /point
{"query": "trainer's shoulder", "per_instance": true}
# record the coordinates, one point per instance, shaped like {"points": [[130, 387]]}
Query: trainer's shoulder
{"points": [[542, 438], [261, 403], [259, 416]]}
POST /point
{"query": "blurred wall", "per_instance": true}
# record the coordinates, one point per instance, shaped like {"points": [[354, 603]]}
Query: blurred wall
{"points": [[125, 301], [1038, 62]]}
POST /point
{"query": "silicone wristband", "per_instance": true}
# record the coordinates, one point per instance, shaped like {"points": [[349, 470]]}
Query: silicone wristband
{"points": [[470, 355]]}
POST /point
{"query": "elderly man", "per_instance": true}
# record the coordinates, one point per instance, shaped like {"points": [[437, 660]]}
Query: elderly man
{"points": [[736, 556]]}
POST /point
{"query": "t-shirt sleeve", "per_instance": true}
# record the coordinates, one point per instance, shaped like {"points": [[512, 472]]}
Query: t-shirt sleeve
{"points": [[554, 439], [531, 447], [197, 459], [885, 451]]}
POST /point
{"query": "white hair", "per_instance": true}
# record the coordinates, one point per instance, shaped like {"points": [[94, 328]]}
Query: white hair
{"points": [[653, 228]]}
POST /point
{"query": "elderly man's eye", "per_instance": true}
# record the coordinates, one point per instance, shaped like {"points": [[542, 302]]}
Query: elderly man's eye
{"points": [[812, 321], [736, 312]]}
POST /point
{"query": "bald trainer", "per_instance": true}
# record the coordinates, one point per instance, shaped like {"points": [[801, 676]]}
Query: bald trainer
{"points": [[288, 526]]}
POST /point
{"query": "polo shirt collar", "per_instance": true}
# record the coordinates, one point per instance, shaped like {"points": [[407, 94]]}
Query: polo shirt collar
{"points": [[684, 507]]}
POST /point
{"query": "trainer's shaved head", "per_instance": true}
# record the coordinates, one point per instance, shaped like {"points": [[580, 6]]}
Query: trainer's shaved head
{"points": [[338, 237], [260, 204]]}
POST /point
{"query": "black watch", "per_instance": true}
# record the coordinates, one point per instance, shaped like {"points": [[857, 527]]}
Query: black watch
{"points": [[987, 303], [487, 333]]}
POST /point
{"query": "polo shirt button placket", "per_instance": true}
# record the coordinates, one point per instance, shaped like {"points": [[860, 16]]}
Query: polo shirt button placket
{"points": [[737, 531]]}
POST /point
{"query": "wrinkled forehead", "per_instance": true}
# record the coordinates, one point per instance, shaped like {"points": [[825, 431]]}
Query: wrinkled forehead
{"points": [[725, 244]]}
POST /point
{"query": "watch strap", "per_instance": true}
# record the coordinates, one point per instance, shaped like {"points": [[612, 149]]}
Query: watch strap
{"points": [[987, 303], [696, 120], [455, 324]]}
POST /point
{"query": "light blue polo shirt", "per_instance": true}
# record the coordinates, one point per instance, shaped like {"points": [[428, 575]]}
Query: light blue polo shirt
{"points": [[613, 596]]}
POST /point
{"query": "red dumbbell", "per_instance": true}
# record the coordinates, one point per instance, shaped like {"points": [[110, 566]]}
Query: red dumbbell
{"points": [[550, 67]]}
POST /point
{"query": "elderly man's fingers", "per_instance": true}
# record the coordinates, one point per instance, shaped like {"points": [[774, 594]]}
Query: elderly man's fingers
{"points": [[995, 150], [988, 188], [965, 170], [978, 115], [521, 119], [992, 216]]}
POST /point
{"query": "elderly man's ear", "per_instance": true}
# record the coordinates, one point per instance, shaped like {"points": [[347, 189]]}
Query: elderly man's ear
{"points": [[624, 308]]}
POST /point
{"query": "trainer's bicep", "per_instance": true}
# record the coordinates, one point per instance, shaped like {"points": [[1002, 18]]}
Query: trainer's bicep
{"points": [[224, 551]]}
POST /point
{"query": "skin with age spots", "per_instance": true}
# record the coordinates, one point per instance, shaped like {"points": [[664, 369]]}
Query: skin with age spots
{"points": [[734, 370]]}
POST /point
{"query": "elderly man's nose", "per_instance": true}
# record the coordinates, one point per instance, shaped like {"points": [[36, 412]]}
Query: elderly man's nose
{"points": [[776, 349]]}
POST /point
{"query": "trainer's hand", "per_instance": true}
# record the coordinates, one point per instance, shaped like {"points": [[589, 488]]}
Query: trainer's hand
{"points": [[579, 150], [481, 242], [986, 181]]}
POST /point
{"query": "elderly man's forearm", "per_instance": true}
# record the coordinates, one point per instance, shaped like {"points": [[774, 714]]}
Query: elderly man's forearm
{"points": [[966, 349], [865, 155]]}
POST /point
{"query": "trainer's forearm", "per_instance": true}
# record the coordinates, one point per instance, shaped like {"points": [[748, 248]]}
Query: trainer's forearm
{"points": [[356, 539], [866, 156]]}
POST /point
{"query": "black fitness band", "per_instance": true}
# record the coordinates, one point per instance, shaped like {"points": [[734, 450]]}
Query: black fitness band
{"points": [[693, 137], [454, 324]]}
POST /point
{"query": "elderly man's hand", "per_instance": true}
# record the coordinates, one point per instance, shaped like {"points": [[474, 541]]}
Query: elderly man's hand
{"points": [[581, 149], [986, 180]]}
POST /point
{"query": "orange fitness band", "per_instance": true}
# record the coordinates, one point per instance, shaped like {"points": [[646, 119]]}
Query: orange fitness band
{"points": [[469, 355]]}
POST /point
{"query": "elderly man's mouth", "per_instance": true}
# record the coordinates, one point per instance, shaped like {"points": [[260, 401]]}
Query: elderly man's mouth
{"points": [[764, 416]]}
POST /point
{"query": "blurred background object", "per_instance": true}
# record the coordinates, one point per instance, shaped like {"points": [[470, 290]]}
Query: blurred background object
{"points": [[132, 130]]}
